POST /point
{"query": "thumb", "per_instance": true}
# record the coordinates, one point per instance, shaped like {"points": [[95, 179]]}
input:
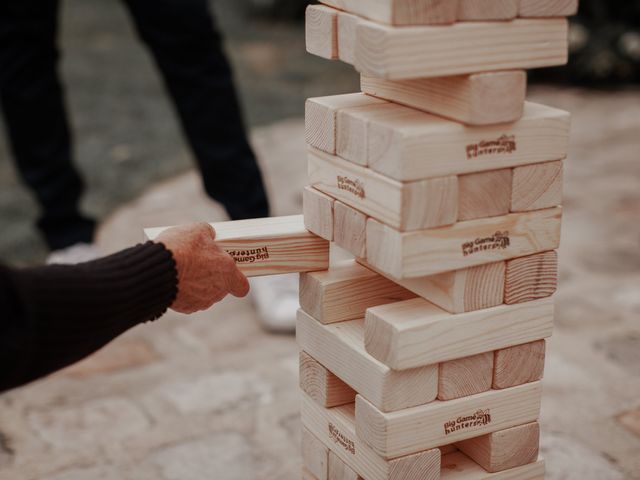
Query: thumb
{"points": [[238, 284]]}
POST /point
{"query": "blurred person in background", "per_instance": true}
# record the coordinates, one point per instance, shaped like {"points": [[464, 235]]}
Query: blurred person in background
{"points": [[187, 49]]}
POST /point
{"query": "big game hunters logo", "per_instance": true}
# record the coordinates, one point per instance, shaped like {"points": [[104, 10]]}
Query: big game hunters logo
{"points": [[503, 145], [353, 186], [250, 255], [478, 419], [497, 241], [342, 439]]}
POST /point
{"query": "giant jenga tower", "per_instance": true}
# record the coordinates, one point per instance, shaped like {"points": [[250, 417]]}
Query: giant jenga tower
{"points": [[423, 357]]}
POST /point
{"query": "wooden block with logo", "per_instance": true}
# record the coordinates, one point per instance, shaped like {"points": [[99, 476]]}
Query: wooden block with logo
{"points": [[467, 47], [321, 113], [476, 99], [537, 186], [336, 428], [340, 348], [268, 246], [322, 385], [465, 376], [424, 145], [531, 277], [345, 291], [350, 227], [401, 12], [505, 449], [463, 245], [318, 212], [548, 8], [338, 470], [487, 9], [321, 31], [484, 194], [457, 466], [439, 423], [415, 332], [403, 206], [315, 455], [518, 364]]}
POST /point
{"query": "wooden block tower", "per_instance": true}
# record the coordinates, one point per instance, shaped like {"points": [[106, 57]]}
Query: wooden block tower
{"points": [[422, 357]]}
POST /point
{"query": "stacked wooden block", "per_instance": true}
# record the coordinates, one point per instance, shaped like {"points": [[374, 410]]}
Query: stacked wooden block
{"points": [[422, 357]]}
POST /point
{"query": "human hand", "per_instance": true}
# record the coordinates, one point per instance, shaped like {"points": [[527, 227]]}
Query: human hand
{"points": [[206, 273]]}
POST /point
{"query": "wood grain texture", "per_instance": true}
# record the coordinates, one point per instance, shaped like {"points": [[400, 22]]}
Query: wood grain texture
{"points": [[467, 47], [519, 364], [531, 277], [415, 332], [404, 206], [537, 186], [338, 470], [322, 385], [457, 466], [321, 114], [463, 245], [548, 8], [347, 25], [321, 31], [340, 348], [317, 209], [505, 449], [345, 291], [307, 475], [336, 428], [484, 194], [424, 145], [315, 455], [350, 227], [401, 12], [465, 376], [476, 99], [487, 9], [268, 246], [439, 423]]}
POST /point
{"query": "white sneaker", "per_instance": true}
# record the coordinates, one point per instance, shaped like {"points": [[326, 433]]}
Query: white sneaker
{"points": [[276, 299], [78, 253]]}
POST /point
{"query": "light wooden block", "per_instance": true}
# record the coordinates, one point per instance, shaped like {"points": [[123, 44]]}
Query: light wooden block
{"points": [[338, 470], [506, 449], [484, 194], [321, 114], [307, 475], [340, 348], [401, 12], [476, 99], [345, 291], [322, 385], [519, 364], [317, 209], [321, 31], [537, 186], [463, 245], [465, 376], [404, 206], [350, 227], [336, 428], [424, 146], [467, 47], [459, 291], [531, 277], [415, 332], [457, 466], [487, 9], [447, 449], [315, 455], [548, 8], [268, 246], [347, 25]]}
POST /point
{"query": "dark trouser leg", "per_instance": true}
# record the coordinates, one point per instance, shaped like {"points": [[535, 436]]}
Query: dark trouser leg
{"points": [[188, 50], [32, 102]]}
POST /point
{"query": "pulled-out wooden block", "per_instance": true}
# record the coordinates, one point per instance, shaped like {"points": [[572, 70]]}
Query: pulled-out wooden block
{"points": [[415, 332], [340, 348], [457, 466], [338, 470], [440, 423], [465, 376], [321, 31], [321, 115], [317, 209], [336, 428], [423, 145], [350, 227], [548, 8], [505, 449], [401, 12], [315, 455], [531, 277], [404, 206], [463, 245], [518, 365], [268, 246], [476, 99], [467, 47], [537, 186], [484, 194], [487, 9], [345, 291], [322, 385], [347, 25]]}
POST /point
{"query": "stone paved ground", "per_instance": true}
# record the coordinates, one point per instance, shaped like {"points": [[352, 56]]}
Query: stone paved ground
{"points": [[214, 397]]}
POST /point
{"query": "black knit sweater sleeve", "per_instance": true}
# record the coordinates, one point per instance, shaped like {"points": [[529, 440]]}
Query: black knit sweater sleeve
{"points": [[51, 317]]}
